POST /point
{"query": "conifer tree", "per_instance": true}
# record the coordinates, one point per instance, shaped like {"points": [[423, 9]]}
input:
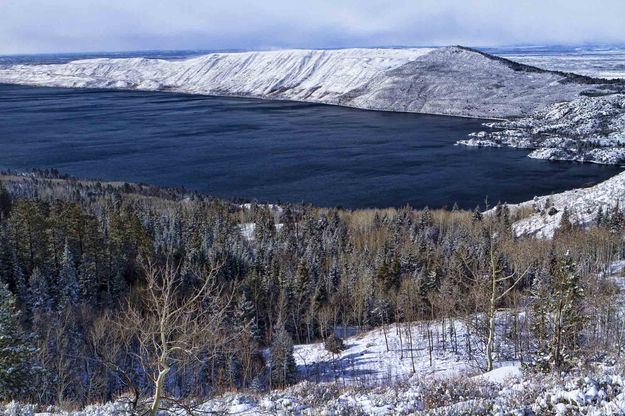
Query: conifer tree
{"points": [[566, 304], [69, 289], [558, 311], [16, 350], [477, 214], [566, 226], [617, 220], [39, 293], [87, 280], [20, 283], [6, 203], [600, 217], [282, 361], [246, 318]]}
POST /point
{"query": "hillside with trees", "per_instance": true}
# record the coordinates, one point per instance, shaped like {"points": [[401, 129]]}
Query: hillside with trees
{"points": [[166, 297]]}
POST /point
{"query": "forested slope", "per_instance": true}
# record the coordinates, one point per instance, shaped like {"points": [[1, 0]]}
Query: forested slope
{"points": [[94, 266]]}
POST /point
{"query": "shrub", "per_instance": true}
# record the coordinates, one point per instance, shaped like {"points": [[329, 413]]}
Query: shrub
{"points": [[334, 344]]}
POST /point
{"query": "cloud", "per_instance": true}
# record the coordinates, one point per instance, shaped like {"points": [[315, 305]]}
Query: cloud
{"points": [[29, 26]]}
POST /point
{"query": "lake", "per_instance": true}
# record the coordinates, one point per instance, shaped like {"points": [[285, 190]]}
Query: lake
{"points": [[270, 150]]}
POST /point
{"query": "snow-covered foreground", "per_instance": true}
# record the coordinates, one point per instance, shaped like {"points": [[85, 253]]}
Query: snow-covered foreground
{"points": [[504, 391], [369, 379], [452, 80]]}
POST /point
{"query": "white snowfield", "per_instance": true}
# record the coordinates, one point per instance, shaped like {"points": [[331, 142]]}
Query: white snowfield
{"points": [[366, 359], [583, 205], [451, 80], [598, 63]]}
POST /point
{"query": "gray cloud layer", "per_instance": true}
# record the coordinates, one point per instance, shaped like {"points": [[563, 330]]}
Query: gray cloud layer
{"points": [[30, 26]]}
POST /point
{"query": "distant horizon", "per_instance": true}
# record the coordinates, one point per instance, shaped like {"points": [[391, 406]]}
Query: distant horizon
{"points": [[564, 47], [71, 26]]}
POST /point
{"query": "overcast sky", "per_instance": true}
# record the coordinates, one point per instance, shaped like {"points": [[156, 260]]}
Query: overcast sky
{"points": [[33, 26]]}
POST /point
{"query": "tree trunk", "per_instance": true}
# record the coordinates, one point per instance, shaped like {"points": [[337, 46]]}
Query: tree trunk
{"points": [[491, 328], [158, 390]]}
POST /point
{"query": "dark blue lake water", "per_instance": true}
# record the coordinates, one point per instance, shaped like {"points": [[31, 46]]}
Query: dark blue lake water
{"points": [[270, 151]]}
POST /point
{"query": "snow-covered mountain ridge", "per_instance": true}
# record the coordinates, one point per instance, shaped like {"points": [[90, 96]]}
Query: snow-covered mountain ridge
{"points": [[454, 81]]}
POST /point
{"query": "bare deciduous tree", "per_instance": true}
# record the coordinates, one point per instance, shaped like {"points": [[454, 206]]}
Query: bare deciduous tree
{"points": [[176, 324]]}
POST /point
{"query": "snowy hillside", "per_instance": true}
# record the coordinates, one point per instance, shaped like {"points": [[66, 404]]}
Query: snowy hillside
{"points": [[456, 390], [453, 80], [587, 129], [583, 205], [366, 359]]}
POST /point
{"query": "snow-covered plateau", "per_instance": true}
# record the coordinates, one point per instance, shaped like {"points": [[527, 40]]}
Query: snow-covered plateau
{"points": [[599, 62], [453, 81]]}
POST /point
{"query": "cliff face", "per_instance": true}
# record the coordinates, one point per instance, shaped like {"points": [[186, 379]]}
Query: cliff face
{"points": [[453, 80]]}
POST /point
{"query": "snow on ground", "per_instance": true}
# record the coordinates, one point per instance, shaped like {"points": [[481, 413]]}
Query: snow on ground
{"points": [[606, 63], [271, 207], [502, 374], [596, 391], [366, 379], [583, 205], [617, 268], [587, 129], [451, 80], [367, 360], [248, 230]]}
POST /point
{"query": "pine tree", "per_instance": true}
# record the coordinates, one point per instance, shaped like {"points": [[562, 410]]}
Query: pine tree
{"points": [[39, 293], [282, 361], [87, 280], [540, 318], [617, 220], [566, 226], [559, 315], [567, 307], [68, 287], [16, 350], [246, 318], [6, 203], [20, 283], [477, 215], [600, 217]]}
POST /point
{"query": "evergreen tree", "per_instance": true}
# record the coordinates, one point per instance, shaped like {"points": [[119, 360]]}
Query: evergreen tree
{"points": [[566, 226], [16, 351], [567, 307], [282, 361], [68, 287], [477, 214], [87, 280], [39, 293], [540, 319], [600, 217], [617, 220], [20, 283], [6, 203], [559, 315], [246, 318]]}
